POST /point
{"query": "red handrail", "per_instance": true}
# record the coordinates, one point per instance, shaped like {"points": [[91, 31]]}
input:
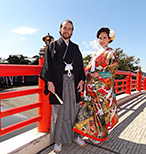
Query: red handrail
{"points": [[128, 84], [19, 93], [19, 70], [20, 109], [44, 115], [24, 123]]}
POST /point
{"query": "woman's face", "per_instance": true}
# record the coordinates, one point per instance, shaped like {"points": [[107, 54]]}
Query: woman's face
{"points": [[103, 39]]}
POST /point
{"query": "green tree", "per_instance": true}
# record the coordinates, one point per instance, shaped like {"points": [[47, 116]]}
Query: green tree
{"points": [[86, 60], [36, 56], [14, 59], [127, 63]]}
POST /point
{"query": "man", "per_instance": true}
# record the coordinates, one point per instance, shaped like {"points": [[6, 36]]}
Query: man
{"points": [[63, 70]]}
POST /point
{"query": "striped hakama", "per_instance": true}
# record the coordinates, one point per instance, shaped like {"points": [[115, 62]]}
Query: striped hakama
{"points": [[63, 116]]}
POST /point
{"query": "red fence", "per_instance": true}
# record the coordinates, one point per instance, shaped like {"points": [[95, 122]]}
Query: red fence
{"points": [[131, 82]]}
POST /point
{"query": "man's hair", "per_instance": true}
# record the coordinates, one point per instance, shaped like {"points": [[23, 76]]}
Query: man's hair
{"points": [[66, 22]]}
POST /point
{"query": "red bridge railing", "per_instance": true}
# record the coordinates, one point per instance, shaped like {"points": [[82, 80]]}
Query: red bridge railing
{"points": [[131, 82], [44, 114]]}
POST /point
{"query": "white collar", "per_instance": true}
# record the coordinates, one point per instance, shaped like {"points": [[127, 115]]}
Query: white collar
{"points": [[66, 42]]}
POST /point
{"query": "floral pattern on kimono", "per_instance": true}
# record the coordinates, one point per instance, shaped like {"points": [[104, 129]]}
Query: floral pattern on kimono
{"points": [[98, 113]]}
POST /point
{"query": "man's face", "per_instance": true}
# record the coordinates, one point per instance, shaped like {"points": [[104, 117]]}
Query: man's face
{"points": [[66, 30]]}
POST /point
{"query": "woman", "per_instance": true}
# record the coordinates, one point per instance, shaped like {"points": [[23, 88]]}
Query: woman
{"points": [[98, 113]]}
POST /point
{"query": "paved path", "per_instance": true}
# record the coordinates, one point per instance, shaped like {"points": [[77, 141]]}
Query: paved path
{"points": [[127, 137]]}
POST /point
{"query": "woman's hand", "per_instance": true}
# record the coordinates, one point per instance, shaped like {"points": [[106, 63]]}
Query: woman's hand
{"points": [[51, 87], [94, 75], [80, 86]]}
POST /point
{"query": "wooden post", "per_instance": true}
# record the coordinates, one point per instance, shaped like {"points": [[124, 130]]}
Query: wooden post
{"points": [[128, 84], [144, 84], [139, 77], [45, 109], [116, 87]]}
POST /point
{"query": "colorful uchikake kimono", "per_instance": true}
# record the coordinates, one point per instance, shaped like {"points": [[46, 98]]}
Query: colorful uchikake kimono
{"points": [[98, 113]]}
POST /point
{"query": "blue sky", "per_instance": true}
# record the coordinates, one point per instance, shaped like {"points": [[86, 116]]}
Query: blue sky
{"points": [[24, 22]]}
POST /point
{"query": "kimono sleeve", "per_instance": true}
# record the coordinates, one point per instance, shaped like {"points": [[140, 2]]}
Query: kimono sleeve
{"points": [[113, 64], [46, 72], [82, 74]]}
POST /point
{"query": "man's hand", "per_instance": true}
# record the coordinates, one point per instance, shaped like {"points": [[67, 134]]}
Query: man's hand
{"points": [[80, 86], [51, 87]]}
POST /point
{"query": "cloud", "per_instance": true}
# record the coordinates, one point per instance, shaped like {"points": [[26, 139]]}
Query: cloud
{"points": [[85, 44], [94, 44], [24, 30], [9, 41], [85, 53], [22, 38]]}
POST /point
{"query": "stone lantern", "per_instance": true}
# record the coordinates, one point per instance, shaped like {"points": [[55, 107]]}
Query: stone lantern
{"points": [[47, 39]]}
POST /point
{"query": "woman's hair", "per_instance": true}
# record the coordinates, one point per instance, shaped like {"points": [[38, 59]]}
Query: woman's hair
{"points": [[104, 29]]}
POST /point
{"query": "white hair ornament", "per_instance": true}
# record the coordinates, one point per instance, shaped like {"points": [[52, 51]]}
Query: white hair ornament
{"points": [[112, 34]]}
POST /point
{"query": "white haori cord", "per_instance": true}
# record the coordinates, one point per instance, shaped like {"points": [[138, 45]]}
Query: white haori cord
{"points": [[68, 68]]}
